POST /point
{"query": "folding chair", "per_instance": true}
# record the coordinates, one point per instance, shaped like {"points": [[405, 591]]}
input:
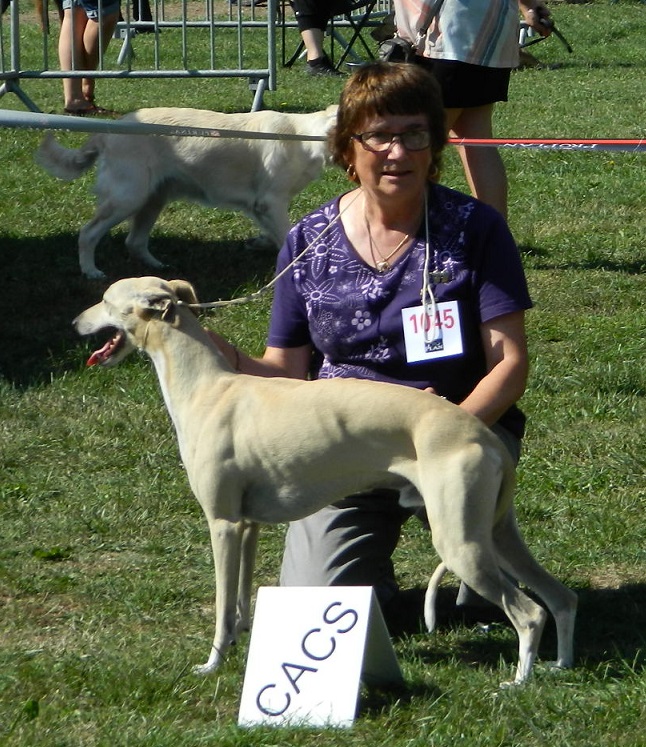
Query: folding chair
{"points": [[358, 22]]}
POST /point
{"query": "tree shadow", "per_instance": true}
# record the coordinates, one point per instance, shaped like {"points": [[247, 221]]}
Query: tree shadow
{"points": [[44, 291]]}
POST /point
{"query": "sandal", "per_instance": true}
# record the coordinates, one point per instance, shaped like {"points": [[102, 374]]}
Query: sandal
{"points": [[92, 111]]}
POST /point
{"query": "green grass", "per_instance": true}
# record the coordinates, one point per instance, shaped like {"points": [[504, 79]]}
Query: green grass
{"points": [[106, 584]]}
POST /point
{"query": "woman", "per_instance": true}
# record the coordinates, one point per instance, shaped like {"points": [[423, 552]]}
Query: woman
{"points": [[471, 48], [348, 304]]}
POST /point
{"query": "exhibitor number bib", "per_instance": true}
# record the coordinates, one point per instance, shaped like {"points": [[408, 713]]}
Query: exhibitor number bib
{"points": [[425, 341]]}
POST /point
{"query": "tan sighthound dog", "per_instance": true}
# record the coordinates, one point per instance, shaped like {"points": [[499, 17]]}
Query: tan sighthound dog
{"points": [[269, 450], [139, 174]]}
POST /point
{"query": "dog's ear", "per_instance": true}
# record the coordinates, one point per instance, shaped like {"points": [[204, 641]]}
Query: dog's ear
{"points": [[160, 304], [184, 291]]}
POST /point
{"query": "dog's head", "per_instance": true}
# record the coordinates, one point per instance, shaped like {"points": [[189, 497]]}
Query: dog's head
{"points": [[127, 307]]}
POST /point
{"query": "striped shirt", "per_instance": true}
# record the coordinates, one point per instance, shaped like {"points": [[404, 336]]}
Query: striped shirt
{"points": [[478, 32]]}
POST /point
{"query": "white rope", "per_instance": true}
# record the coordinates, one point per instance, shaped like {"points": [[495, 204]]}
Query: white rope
{"points": [[261, 292]]}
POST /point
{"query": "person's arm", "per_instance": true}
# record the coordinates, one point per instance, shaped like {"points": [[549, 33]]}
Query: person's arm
{"points": [[536, 15], [507, 360]]}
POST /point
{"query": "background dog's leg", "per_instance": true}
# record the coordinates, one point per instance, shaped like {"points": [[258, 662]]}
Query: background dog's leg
{"points": [[106, 217], [226, 542], [247, 563], [142, 225], [516, 559], [271, 215]]}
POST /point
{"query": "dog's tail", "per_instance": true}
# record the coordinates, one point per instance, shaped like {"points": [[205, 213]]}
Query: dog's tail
{"points": [[67, 163], [430, 600]]}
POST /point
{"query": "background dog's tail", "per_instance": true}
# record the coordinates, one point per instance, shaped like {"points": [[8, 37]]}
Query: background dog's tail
{"points": [[66, 163]]}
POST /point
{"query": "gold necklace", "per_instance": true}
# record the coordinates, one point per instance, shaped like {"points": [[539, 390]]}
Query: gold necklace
{"points": [[384, 265]]}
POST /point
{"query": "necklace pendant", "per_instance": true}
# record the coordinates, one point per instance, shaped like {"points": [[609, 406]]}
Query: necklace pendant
{"points": [[383, 266]]}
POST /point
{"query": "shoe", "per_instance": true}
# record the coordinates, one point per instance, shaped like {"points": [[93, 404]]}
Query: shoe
{"points": [[404, 613], [92, 111], [323, 66], [480, 615]]}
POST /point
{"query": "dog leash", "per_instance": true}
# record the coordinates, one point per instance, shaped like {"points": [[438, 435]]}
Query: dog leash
{"points": [[266, 288], [426, 293]]}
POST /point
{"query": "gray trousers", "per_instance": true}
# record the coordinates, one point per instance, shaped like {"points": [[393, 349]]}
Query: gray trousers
{"points": [[350, 543]]}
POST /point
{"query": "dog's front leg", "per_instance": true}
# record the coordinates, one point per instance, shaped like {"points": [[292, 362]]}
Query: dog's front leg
{"points": [[247, 563], [226, 541]]}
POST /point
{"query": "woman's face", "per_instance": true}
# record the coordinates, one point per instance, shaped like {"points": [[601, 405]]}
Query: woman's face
{"points": [[396, 171]]}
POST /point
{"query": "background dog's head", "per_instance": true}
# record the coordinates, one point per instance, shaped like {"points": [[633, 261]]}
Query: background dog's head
{"points": [[127, 307]]}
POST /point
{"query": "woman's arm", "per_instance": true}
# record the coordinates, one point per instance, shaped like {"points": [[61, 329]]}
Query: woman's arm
{"points": [[505, 346]]}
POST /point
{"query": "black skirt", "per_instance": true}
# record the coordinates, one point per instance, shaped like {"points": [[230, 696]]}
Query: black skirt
{"points": [[464, 85]]}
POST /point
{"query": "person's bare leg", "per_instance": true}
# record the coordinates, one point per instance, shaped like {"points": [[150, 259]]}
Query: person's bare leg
{"points": [[96, 38], [71, 56], [313, 41], [483, 166]]}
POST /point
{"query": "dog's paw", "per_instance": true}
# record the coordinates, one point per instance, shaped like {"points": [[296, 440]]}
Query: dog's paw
{"points": [[153, 263], [556, 666], [205, 669], [511, 683], [261, 243], [93, 273]]}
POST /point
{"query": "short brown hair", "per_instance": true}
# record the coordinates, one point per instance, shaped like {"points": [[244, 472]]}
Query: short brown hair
{"points": [[381, 88]]}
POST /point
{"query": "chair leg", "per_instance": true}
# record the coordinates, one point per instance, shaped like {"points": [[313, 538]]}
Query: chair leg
{"points": [[299, 51], [358, 27]]}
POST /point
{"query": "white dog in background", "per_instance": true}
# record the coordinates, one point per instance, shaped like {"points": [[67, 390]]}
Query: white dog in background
{"points": [[139, 174]]}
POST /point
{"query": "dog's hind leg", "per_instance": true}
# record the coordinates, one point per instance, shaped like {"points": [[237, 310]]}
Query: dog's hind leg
{"points": [[462, 535], [516, 558], [108, 214], [477, 567], [226, 542], [141, 226], [271, 214]]}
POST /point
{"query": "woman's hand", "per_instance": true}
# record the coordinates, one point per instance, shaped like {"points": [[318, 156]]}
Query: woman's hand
{"points": [[537, 16]]}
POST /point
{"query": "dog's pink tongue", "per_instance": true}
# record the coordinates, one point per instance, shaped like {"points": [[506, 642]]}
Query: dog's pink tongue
{"points": [[99, 355]]}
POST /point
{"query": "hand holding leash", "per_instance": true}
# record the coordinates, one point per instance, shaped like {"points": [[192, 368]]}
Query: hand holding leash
{"points": [[538, 17]]}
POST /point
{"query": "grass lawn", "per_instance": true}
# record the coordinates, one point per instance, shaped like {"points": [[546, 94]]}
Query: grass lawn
{"points": [[106, 584]]}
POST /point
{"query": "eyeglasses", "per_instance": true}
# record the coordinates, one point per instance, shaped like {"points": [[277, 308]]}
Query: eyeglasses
{"points": [[379, 142]]}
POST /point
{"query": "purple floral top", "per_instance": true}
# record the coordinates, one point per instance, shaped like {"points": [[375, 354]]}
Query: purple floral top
{"points": [[352, 315]]}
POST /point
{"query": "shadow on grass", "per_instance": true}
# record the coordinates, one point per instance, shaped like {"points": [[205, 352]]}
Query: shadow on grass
{"points": [[43, 291], [611, 627], [609, 631], [544, 259], [609, 637]]}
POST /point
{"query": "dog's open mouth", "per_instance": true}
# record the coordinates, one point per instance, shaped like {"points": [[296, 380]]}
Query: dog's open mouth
{"points": [[114, 344]]}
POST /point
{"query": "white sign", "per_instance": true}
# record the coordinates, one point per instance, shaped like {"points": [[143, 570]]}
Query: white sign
{"points": [[427, 340], [310, 647]]}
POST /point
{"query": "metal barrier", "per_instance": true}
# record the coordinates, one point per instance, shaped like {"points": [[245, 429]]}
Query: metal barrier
{"points": [[183, 39]]}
